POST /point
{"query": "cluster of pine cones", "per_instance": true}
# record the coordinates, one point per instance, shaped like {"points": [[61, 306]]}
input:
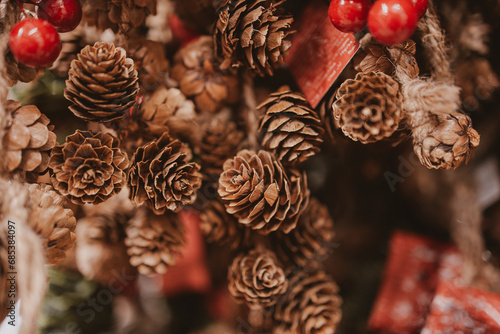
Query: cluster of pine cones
{"points": [[169, 132]]}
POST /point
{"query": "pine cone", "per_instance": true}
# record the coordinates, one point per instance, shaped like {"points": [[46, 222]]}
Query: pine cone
{"points": [[96, 14], [219, 141], [102, 83], [170, 108], [51, 221], [16, 71], [368, 108], [220, 227], [311, 241], [445, 142], [151, 63], [161, 177], [257, 279], [199, 77], [376, 57], [101, 254], [88, 168], [311, 305], [257, 190], [130, 13], [154, 241], [325, 113], [252, 33], [290, 128], [28, 140]]}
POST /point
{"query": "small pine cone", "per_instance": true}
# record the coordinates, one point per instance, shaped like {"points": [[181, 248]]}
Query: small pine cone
{"points": [[151, 63], [311, 305], [102, 83], [199, 78], [16, 71], [376, 57], [257, 190], [167, 107], [253, 34], [290, 128], [219, 141], [220, 227], [51, 221], [161, 177], [257, 279], [28, 140], [129, 14], [446, 141], [101, 254], [369, 107], [311, 241], [154, 241], [89, 168], [96, 14]]}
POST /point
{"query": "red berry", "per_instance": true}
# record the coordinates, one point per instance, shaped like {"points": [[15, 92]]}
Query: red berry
{"points": [[392, 21], [65, 15], [420, 7], [34, 42], [349, 15]]}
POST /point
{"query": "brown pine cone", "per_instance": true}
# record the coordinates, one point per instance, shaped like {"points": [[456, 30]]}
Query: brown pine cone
{"points": [[102, 83], [28, 140], [376, 57], [311, 241], [16, 71], [101, 254], [446, 141], [290, 128], [253, 34], [220, 227], [199, 78], [369, 107], [168, 107], [51, 221], [311, 305], [154, 241], [96, 14], [130, 13], [161, 177], [151, 63], [219, 141], [89, 168], [257, 190], [257, 279]]}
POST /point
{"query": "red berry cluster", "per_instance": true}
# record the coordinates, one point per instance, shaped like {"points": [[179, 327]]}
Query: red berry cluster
{"points": [[389, 21], [36, 42]]}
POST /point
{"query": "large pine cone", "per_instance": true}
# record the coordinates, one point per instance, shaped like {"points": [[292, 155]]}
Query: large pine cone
{"points": [[161, 177], [311, 305], [101, 254], [199, 77], [252, 33], [446, 141], [369, 107], [51, 221], [28, 140], [311, 241], [290, 128], [102, 83], [151, 63], [257, 190], [257, 279], [154, 241], [88, 168], [219, 141], [220, 227]]}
